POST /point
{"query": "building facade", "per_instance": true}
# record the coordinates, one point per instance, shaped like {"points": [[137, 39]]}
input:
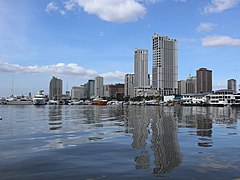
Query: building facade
{"points": [[89, 89], [181, 87], [204, 80], [191, 85], [165, 65], [114, 90], [129, 85], [55, 89], [232, 85], [77, 92], [98, 91], [140, 67]]}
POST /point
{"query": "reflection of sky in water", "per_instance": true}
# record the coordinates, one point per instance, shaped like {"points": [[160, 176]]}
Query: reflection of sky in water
{"points": [[160, 140]]}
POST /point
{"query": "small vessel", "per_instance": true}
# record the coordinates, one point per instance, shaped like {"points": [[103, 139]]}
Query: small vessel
{"points": [[99, 102], [21, 100], [52, 102], [39, 99], [74, 102]]}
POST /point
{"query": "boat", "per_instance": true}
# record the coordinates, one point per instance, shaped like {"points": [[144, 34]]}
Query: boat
{"points": [[21, 100], [52, 102], [75, 102], [99, 102], [39, 99]]}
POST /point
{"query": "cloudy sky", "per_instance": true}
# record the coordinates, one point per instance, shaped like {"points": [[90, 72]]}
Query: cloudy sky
{"points": [[77, 40]]}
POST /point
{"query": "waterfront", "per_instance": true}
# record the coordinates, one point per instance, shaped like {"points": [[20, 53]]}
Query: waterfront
{"points": [[115, 142]]}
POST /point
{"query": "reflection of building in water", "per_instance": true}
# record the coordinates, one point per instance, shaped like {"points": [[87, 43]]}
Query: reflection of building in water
{"points": [[138, 123], [55, 117], [204, 130], [143, 161], [204, 126], [165, 145], [226, 115]]}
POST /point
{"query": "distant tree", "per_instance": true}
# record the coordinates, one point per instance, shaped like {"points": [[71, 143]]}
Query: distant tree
{"points": [[119, 96]]}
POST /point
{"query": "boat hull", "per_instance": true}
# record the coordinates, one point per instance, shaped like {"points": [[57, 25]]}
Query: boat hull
{"points": [[100, 103], [39, 102]]}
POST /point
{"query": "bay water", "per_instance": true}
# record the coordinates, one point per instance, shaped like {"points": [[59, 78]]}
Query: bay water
{"points": [[115, 142]]}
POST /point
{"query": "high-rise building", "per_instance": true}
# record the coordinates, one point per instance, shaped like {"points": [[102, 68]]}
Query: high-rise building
{"points": [[89, 89], [191, 85], [165, 65], [98, 91], [232, 85], [55, 89], [114, 90], [181, 87], [140, 68], [204, 80], [77, 92], [129, 85]]}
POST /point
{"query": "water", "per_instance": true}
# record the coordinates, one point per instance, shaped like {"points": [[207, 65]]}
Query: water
{"points": [[111, 142]]}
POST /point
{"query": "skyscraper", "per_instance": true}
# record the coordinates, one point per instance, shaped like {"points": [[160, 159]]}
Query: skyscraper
{"points": [[181, 87], [129, 85], [140, 68], [89, 89], [232, 85], [204, 80], [165, 65], [191, 85], [98, 91], [55, 88]]}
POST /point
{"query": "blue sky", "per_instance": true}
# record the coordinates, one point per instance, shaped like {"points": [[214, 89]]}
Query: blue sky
{"points": [[77, 40]]}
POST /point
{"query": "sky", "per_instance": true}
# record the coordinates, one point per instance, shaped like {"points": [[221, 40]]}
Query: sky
{"points": [[77, 40]]}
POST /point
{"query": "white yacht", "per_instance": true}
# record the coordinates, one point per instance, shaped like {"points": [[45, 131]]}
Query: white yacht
{"points": [[39, 99]]}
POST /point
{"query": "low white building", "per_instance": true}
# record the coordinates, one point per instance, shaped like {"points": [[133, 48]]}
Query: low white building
{"points": [[194, 98]]}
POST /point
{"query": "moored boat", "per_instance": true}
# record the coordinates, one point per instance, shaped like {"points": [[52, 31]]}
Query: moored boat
{"points": [[39, 99], [99, 102]]}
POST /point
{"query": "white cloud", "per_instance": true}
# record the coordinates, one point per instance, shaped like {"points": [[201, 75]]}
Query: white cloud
{"points": [[53, 7], [118, 11], [217, 40], [70, 5], [62, 69], [206, 27], [218, 6], [117, 75], [112, 10]]}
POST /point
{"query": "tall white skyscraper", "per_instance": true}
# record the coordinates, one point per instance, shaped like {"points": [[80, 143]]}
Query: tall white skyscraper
{"points": [[140, 68], [98, 88], [165, 64]]}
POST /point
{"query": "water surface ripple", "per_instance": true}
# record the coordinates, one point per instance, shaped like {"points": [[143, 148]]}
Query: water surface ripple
{"points": [[114, 142]]}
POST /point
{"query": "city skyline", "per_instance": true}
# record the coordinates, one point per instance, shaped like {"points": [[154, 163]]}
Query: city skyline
{"points": [[77, 40]]}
